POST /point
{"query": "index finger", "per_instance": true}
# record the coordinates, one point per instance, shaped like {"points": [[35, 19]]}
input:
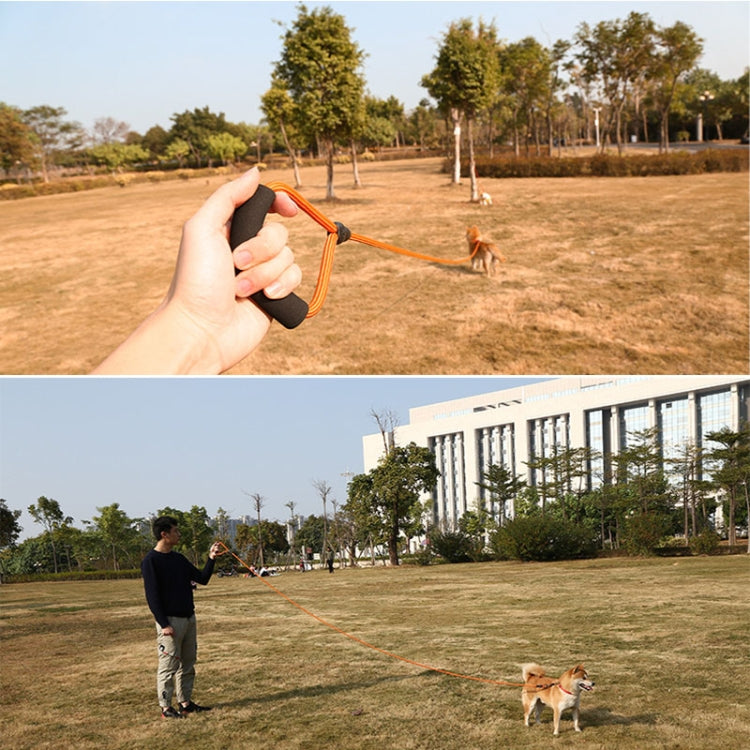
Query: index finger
{"points": [[219, 206]]}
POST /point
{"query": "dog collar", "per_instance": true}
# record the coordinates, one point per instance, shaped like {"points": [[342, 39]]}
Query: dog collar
{"points": [[567, 692]]}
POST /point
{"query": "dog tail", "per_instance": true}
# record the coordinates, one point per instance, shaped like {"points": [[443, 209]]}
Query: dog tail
{"points": [[532, 670]]}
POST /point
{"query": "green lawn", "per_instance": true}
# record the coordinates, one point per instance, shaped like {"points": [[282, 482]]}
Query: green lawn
{"points": [[666, 641]]}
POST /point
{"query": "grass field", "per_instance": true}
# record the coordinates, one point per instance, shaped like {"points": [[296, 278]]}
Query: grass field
{"points": [[665, 640], [629, 275]]}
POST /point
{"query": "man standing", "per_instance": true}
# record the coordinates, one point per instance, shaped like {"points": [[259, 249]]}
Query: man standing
{"points": [[168, 578]]}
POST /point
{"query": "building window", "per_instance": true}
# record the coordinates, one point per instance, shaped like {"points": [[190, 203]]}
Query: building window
{"points": [[674, 427], [714, 413], [597, 441], [495, 447], [633, 419], [450, 503], [547, 437]]}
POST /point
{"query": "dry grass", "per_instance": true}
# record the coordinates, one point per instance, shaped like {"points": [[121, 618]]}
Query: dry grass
{"points": [[665, 641], [631, 275]]}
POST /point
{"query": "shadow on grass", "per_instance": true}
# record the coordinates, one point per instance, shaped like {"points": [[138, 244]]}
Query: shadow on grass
{"points": [[605, 717], [314, 691]]}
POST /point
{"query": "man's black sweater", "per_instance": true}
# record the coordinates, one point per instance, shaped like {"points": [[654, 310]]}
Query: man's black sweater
{"points": [[168, 579]]}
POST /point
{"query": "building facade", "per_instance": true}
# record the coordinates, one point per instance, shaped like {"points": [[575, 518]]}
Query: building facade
{"points": [[518, 428]]}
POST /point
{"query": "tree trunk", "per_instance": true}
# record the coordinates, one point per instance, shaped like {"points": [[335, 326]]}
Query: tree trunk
{"points": [[292, 155], [330, 194], [472, 162], [393, 546], [456, 120], [355, 166]]}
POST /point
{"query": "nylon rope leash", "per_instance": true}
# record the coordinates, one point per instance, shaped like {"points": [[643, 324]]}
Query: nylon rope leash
{"points": [[362, 642], [291, 310]]}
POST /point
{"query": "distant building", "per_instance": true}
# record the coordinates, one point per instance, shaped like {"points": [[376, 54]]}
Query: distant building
{"points": [[518, 425], [231, 524]]}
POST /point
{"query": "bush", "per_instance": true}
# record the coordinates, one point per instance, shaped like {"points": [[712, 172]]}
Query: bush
{"points": [[453, 546], [611, 165], [705, 543], [542, 539], [75, 575], [643, 532]]}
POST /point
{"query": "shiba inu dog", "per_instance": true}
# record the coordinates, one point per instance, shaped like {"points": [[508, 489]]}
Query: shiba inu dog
{"points": [[487, 255], [560, 694]]}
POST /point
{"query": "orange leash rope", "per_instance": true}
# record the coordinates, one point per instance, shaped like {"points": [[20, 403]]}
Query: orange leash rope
{"points": [[337, 234], [363, 642]]}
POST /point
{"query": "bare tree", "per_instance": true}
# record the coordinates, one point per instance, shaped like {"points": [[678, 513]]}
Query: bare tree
{"points": [[258, 501], [109, 130], [387, 421], [324, 490]]}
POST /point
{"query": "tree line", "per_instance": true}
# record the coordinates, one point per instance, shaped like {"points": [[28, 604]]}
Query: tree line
{"points": [[641, 500], [625, 78]]}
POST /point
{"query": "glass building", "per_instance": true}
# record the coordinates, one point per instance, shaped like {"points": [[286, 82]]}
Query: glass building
{"points": [[524, 428]]}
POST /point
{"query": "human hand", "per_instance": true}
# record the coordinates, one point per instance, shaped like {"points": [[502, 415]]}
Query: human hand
{"points": [[206, 323]]}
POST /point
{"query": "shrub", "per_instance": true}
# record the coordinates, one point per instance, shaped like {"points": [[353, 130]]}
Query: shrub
{"points": [[453, 546], [611, 165], [705, 543], [643, 532], [541, 539]]}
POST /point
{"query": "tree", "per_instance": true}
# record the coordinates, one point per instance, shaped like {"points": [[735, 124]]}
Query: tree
{"points": [[678, 48], [50, 132], [324, 490], [423, 124], [646, 501], [319, 66], [117, 155], [615, 54], [502, 487], [387, 499], [155, 141], [278, 108], [258, 501], [310, 534], [195, 128], [463, 82], [196, 532], [555, 83], [526, 66], [692, 488], [10, 529], [47, 512], [16, 139], [178, 149], [729, 463], [118, 532], [109, 130], [225, 147]]}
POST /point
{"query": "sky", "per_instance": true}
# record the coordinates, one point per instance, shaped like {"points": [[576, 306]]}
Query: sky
{"points": [[142, 62], [148, 443]]}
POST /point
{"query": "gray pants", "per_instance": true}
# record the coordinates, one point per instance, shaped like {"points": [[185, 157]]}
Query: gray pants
{"points": [[177, 655]]}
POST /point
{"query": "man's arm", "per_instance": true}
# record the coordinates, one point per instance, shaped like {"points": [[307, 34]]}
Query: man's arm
{"points": [[153, 599]]}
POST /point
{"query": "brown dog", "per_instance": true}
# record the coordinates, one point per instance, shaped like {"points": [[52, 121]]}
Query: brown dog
{"points": [[559, 694], [487, 255]]}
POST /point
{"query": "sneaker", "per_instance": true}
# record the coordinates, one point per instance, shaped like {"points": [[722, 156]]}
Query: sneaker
{"points": [[193, 708], [170, 713]]}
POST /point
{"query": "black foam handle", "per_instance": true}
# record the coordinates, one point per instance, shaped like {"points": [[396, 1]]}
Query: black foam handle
{"points": [[247, 221]]}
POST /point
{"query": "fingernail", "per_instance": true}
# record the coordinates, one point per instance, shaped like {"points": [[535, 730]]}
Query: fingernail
{"points": [[273, 290], [243, 259], [243, 287]]}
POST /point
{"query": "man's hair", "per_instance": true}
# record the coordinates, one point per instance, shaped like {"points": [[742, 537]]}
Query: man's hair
{"points": [[163, 523]]}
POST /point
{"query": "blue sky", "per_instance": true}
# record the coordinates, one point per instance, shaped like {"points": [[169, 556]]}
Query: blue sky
{"points": [[146, 443], [141, 62]]}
